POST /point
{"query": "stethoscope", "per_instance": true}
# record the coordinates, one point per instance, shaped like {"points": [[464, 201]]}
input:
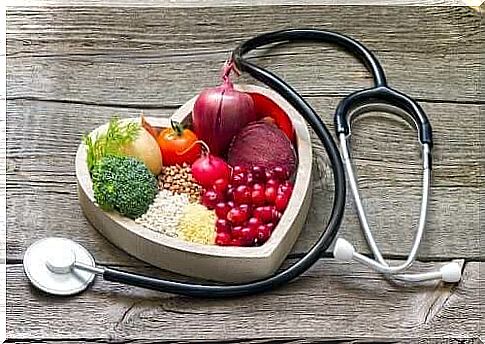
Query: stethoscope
{"points": [[62, 267]]}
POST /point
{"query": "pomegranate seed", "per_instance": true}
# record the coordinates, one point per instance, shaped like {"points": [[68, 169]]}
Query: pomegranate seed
{"points": [[254, 222], [248, 236], [238, 170], [242, 194], [223, 226], [264, 232], [223, 239], [269, 175], [275, 216], [273, 182], [238, 179], [270, 194], [285, 188], [210, 198], [259, 173], [258, 196], [222, 209], [250, 179], [236, 232], [220, 185], [237, 242], [267, 214], [237, 216], [281, 202], [270, 227], [280, 173], [230, 192]]}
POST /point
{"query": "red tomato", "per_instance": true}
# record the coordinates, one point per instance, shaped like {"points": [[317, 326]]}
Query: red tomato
{"points": [[178, 145], [265, 107]]}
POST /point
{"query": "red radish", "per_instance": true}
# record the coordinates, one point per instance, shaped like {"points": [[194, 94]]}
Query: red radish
{"points": [[209, 168], [220, 112]]}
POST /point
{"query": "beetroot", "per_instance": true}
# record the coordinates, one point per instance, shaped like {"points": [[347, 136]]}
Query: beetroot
{"points": [[262, 144]]}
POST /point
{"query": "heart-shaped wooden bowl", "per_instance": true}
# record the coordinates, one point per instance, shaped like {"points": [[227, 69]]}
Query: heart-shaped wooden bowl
{"points": [[226, 264]]}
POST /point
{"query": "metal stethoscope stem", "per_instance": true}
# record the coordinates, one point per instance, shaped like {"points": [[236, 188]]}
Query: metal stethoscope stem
{"points": [[345, 251], [63, 267]]}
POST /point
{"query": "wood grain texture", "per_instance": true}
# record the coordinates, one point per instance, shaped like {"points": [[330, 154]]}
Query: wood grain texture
{"points": [[43, 138], [70, 69], [227, 3], [328, 301], [126, 56]]}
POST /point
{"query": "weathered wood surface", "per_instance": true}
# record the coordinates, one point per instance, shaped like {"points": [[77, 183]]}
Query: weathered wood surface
{"points": [[329, 301], [70, 69]]}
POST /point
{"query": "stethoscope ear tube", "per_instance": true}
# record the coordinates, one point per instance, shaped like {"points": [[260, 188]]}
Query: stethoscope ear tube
{"points": [[383, 94]]}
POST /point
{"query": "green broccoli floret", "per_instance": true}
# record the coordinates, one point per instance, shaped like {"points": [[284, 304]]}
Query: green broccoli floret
{"points": [[123, 184]]}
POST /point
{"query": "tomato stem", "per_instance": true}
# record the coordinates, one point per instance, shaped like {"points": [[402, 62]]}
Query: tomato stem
{"points": [[177, 127]]}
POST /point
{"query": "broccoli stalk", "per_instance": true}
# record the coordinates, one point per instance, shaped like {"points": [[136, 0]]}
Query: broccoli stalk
{"points": [[123, 184]]}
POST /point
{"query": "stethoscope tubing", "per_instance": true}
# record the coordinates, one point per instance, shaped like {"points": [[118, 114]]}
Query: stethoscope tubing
{"points": [[380, 93]]}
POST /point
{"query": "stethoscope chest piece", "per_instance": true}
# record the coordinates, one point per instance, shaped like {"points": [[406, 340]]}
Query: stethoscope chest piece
{"points": [[49, 265]]}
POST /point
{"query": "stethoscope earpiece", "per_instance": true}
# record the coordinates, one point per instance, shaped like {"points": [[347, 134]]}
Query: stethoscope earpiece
{"points": [[62, 267]]}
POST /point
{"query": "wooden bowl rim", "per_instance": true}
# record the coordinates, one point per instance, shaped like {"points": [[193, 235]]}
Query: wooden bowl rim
{"points": [[302, 182]]}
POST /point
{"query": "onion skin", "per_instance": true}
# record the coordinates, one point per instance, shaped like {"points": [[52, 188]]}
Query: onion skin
{"points": [[219, 114], [145, 148]]}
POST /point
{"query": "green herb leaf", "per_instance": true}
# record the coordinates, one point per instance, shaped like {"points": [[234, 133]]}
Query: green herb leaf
{"points": [[111, 142]]}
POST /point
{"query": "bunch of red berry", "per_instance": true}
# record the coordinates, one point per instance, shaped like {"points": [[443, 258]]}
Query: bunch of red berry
{"points": [[249, 205]]}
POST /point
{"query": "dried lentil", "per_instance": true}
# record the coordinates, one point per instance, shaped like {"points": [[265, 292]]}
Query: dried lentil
{"points": [[197, 224], [178, 179], [164, 213]]}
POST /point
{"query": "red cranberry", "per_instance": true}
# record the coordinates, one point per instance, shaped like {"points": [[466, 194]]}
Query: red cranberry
{"points": [[223, 225], [237, 242], [259, 173], [281, 202], [264, 214], [248, 235], [237, 216], [238, 170], [210, 198], [242, 194], [223, 239], [222, 209], [275, 216], [250, 179], [236, 231], [238, 179], [270, 194], [285, 188], [272, 182], [254, 222], [264, 232], [258, 196], [280, 173]]}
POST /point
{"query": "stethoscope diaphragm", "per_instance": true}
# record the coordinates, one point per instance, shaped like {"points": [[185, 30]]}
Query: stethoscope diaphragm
{"points": [[49, 265]]}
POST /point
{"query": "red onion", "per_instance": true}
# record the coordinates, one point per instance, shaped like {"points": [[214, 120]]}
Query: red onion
{"points": [[220, 112], [209, 168]]}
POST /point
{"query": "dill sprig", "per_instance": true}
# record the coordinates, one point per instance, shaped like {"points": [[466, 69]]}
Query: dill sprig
{"points": [[110, 142]]}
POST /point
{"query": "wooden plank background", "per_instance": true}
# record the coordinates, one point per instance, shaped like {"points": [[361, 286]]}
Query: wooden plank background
{"points": [[70, 69]]}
